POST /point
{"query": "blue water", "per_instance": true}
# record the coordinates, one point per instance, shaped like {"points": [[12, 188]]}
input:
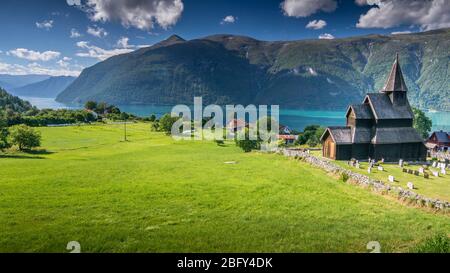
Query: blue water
{"points": [[294, 118]]}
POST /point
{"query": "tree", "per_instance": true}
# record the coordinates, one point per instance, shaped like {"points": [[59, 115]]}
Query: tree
{"points": [[422, 123], [3, 134], [311, 135], [152, 118], [26, 138], [124, 116], [90, 105], [101, 108], [166, 123]]}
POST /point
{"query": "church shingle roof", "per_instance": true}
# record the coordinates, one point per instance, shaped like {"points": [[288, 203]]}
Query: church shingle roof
{"points": [[395, 82], [384, 109], [362, 111], [341, 135], [396, 135]]}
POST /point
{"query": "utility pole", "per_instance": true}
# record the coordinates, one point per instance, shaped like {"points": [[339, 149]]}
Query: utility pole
{"points": [[125, 130]]}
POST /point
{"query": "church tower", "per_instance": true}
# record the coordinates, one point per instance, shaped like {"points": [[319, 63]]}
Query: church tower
{"points": [[395, 86]]}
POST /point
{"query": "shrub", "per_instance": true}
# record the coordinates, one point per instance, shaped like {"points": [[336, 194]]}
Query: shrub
{"points": [[219, 142], [26, 138], [440, 243], [344, 177], [245, 143], [155, 126]]}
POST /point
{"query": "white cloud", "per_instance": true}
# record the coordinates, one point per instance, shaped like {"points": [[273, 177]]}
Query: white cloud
{"points": [[428, 15], [74, 2], [316, 24], [31, 55], [63, 63], [99, 53], [326, 36], [47, 25], [34, 68], [97, 31], [123, 43], [305, 8], [141, 14], [230, 19], [75, 34], [401, 32]]}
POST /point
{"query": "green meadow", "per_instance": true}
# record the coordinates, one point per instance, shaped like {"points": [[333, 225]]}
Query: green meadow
{"points": [[153, 194]]}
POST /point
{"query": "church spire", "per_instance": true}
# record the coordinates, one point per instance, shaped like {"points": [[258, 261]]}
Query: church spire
{"points": [[395, 82]]}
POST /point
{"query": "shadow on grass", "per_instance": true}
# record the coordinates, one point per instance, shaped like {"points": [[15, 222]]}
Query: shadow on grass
{"points": [[39, 152], [20, 156], [27, 154]]}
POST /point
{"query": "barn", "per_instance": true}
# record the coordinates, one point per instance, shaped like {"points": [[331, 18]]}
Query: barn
{"points": [[379, 128]]}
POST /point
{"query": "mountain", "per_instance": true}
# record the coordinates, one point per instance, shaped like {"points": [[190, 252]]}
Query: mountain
{"points": [[315, 74], [15, 81], [12, 103], [49, 88], [6, 85]]}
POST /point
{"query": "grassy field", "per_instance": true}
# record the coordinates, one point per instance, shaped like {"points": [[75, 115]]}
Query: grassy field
{"points": [[153, 194]]}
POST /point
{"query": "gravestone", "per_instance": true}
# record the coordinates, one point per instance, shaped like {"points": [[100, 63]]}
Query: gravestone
{"points": [[436, 174], [434, 164], [391, 178], [369, 170], [357, 166], [380, 168], [443, 171], [382, 160], [410, 171], [416, 173], [426, 175], [400, 163], [405, 170], [421, 170], [410, 186]]}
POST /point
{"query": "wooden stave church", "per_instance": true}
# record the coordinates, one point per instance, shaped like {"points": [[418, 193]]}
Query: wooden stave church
{"points": [[379, 128]]}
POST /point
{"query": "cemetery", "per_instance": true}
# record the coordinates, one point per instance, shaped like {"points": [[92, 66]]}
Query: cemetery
{"points": [[397, 179], [431, 179]]}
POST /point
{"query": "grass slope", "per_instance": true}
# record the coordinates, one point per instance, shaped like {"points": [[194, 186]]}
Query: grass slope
{"points": [[156, 195]]}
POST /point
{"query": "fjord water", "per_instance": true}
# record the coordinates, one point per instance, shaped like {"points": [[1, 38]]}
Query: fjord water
{"points": [[294, 118]]}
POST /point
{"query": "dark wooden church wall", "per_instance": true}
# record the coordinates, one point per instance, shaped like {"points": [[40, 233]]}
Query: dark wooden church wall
{"points": [[360, 151], [343, 152]]}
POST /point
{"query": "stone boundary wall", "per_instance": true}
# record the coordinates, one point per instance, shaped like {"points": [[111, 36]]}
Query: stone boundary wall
{"points": [[365, 181], [441, 155]]}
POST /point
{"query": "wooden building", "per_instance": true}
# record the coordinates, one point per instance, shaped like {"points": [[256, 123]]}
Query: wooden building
{"points": [[439, 141], [379, 128]]}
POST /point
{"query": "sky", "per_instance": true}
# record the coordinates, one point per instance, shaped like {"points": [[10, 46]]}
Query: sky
{"points": [[62, 37]]}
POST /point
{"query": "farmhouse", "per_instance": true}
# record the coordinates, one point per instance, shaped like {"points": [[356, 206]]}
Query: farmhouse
{"points": [[379, 128], [439, 141], [236, 125]]}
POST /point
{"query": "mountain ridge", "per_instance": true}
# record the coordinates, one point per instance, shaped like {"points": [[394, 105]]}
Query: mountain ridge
{"points": [[49, 88], [226, 68]]}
